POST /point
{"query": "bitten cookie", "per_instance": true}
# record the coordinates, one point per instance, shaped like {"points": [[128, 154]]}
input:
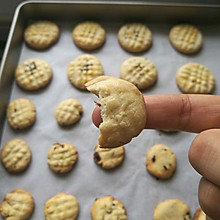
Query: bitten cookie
{"points": [[21, 113], [15, 155], [108, 207], [89, 35], [109, 158], [139, 71], [135, 37], [172, 209], [18, 204], [195, 78], [199, 215], [83, 69], [33, 74], [122, 110], [62, 157], [62, 206], [186, 38], [41, 34], [68, 112], [161, 161]]}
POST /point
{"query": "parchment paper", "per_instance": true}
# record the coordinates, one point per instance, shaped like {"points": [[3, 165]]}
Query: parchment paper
{"points": [[131, 183]]}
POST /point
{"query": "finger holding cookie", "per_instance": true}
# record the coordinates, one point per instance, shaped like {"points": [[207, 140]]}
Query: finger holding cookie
{"points": [[192, 113]]}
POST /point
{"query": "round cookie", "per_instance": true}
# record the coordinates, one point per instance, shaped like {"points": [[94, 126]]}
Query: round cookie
{"points": [[15, 155], [118, 100], [61, 157], [68, 111], [135, 37], [109, 158], [89, 35], [199, 215], [139, 71], [172, 209], [41, 34], [62, 206], [21, 113], [186, 38], [108, 207], [195, 78], [161, 161], [18, 204], [83, 69], [33, 74]]}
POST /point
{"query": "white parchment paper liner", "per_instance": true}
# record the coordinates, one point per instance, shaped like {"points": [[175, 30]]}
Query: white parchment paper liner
{"points": [[130, 182]]}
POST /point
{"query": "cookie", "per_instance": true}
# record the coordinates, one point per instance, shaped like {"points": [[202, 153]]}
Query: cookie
{"points": [[172, 209], [41, 34], [61, 157], [186, 38], [15, 155], [18, 204], [33, 74], [89, 35], [122, 110], [68, 112], [83, 69], [139, 71], [108, 207], [109, 158], [195, 78], [199, 215], [21, 113], [161, 161], [135, 37], [62, 206]]}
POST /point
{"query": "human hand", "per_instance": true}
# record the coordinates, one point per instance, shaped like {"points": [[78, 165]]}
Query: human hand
{"points": [[192, 113]]}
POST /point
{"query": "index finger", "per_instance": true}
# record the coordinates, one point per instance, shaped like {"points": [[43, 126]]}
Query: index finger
{"points": [[193, 113]]}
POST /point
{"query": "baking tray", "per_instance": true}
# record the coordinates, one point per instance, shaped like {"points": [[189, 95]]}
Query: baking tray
{"points": [[130, 182]]}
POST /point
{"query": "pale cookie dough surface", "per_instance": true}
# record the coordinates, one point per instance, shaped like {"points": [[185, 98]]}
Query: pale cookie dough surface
{"points": [[108, 208], [135, 37], [68, 112], [186, 38], [83, 69], [61, 157], [172, 209], [17, 205], [109, 158], [62, 206], [199, 215], [33, 74], [161, 161], [41, 34], [139, 71], [89, 35], [21, 113], [122, 110], [15, 155], [195, 78]]}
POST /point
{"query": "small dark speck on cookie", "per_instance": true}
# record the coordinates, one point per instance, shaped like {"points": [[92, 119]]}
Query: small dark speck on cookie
{"points": [[154, 158], [61, 145], [187, 216], [97, 157], [165, 167]]}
